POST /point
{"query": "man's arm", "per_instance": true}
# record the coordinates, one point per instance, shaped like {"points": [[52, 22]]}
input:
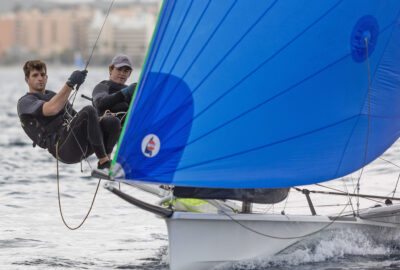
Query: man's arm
{"points": [[56, 103], [102, 100]]}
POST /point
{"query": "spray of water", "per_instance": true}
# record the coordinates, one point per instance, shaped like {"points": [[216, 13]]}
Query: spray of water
{"points": [[329, 246]]}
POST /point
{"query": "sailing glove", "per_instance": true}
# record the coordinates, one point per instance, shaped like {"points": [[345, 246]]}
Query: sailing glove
{"points": [[128, 91], [77, 78]]}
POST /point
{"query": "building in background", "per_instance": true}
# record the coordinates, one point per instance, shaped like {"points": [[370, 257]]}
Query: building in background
{"points": [[60, 35], [126, 31], [55, 33], [7, 26]]}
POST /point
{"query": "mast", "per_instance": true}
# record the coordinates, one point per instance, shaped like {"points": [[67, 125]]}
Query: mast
{"points": [[246, 207]]}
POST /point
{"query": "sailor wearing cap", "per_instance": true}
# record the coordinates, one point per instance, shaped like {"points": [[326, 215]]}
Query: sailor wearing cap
{"points": [[114, 95]]}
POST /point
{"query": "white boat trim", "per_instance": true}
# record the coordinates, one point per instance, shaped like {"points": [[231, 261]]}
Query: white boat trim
{"points": [[199, 241]]}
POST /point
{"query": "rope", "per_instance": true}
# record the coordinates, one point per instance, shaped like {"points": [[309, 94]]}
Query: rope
{"points": [[304, 235], [397, 182], [101, 30], [354, 189], [389, 162], [287, 198], [358, 181], [368, 126], [93, 48], [80, 147], [73, 96], [344, 193], [68, 121], [281, 237], [59, 199], [349, 197], [398, 178]]}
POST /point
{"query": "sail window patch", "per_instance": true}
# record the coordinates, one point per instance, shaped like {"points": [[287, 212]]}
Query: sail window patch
{"points": [[151, 145], [365, 28]]}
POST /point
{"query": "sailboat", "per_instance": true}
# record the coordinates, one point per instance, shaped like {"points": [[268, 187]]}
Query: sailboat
{"points": [[244, 100]]}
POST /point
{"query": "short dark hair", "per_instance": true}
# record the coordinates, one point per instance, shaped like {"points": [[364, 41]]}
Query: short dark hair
{"points": [[33, 65]]}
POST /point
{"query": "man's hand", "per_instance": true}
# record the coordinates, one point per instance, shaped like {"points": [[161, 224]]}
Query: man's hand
{"points": [[128, 91], [77, 78]]}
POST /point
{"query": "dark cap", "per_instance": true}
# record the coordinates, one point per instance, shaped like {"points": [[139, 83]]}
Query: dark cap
{"points": [[121, 60]]}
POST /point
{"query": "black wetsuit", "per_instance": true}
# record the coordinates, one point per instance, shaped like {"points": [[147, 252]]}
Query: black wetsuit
{"points": [[84, 135], [107, 95]]}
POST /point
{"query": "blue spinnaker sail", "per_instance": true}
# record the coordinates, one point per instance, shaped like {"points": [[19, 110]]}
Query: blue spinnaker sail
{"points": [[264, 93]]}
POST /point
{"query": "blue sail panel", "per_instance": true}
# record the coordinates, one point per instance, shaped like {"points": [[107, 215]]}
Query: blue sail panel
{"points": [[264, 94]]}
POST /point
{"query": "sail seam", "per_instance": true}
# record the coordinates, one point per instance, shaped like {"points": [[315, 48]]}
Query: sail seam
{"points": [[268, 100], [201, 50], [356, 123], [173, 40], [266, 145], [254, 70], [206, 44], [159, 87], [221, 60], [143, 76]]}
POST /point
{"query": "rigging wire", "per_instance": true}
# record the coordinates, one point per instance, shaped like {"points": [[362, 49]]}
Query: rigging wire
{"points": [[398, 178], [73, 95], [93, 49], [368, 126], [316, 205], [287, 198], [344, 193], [395, 187], [354, 188], [358, 180], [68, 121], [98, 36], [348, 196], [334, 219], [282, 237], [389, 162]]}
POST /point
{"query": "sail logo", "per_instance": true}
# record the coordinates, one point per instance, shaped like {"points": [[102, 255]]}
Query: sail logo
{"points": [[150, 145]]}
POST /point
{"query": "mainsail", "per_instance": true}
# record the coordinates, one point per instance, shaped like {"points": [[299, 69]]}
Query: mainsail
{"points": [[264, 94]]}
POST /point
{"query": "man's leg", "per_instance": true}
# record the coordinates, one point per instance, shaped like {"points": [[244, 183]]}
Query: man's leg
{"points": [[111, 129], [83, 137]]}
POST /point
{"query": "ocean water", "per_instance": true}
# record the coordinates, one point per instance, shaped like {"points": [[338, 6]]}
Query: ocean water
{"points": [[118, 235]]}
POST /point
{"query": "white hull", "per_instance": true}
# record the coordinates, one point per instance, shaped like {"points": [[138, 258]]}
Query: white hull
{"points": [[201, 241]]}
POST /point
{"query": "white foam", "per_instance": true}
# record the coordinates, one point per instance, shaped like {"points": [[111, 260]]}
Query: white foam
{"points": [[330, 245]]}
